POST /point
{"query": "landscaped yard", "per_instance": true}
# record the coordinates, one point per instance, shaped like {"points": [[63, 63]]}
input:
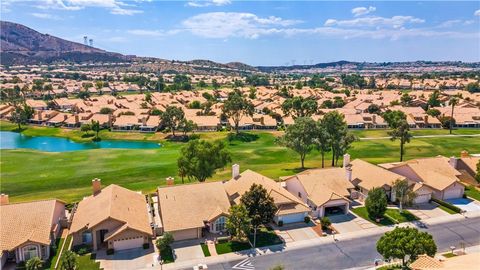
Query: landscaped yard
{"points": [[87, 262], [29, 175], [266, 237], [53, 260], [205, 250], [231, 246], [472, 192], [446, 209], [167, 255], [386, 221]]}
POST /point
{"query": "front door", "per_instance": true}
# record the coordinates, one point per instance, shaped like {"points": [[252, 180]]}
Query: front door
{"points": [[102, 234]]}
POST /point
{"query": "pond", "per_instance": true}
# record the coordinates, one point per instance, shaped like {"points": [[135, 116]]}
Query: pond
{"points": [[14, 140]]}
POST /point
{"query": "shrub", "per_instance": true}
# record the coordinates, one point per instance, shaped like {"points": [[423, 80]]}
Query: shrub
{"points": [[376, 203], [325, 221], [164, 241], [146, 245], [280, 223], [110, 251], [306, 219], [82, 249], [20, 266], [448, 205]]}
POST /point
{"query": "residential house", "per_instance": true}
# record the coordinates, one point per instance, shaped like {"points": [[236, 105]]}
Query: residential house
{"points": [[465, 262], [325, 191], [192, 211], [290, 208], [467, 166], [113, 218], [28, 229]]}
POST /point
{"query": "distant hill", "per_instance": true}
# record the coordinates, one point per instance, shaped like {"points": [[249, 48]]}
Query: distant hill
{"points": [[20, 45]]}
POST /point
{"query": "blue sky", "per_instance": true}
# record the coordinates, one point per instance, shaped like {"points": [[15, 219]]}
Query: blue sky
{"points": [[263, 32]]}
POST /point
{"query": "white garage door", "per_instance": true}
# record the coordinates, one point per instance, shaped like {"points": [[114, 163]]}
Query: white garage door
{"points": [[185, 234], [128, 243], [452, 193], [292, 218], [423, 198]]}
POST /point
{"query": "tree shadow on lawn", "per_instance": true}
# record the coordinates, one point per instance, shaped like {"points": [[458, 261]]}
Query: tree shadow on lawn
{"points": [[242, 137], [296, 170]]}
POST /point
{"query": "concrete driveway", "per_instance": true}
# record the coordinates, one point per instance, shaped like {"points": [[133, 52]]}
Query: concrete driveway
{"points": [[467, 205], [296, 232], [350, 223], [427, 210], [187, 250], [137, 258]]}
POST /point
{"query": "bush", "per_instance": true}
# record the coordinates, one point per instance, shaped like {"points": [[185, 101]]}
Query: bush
{"points": [[242, 137], [110, 251], [20, 266], [376, 203], [82, 249], [306, 219], [448, 205], [146, 245], [325, 221], [280, 223], [223, 239]]}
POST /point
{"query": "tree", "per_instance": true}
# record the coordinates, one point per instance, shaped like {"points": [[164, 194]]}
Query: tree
{"points": [[215, 84], [300, 137], [477, 175], [172, 117], [376, 203], [148, 97], [402, 132], [21, 115], [393, 118], [95, 126], [373, 108], [433, 100], [165, 241], [473, 87], [403, 193], [322, 140], [34, 263], [85, 128], [453, 102], [433, 112], [236, 106], [406, 241], [339, 137], [187, 126], [69, 260], [406, 99], [299, 107], [199, 159], [106, 110], [238, 222], [260, 207], [447, 121]]}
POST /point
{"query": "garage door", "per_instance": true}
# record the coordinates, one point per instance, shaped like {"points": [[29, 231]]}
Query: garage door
{"points": [[292, 218], [423, 198], [452, 194], [128, 243], [185, 234]]}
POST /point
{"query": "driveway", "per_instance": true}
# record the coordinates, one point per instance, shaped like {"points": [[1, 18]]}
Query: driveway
{"points": [[427, 210], [137, 258], [296, 232], [465, 204], [350, 223], [187, 250]]}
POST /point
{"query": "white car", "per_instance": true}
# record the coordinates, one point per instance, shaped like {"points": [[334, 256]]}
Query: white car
{"points": [[200, 267]]}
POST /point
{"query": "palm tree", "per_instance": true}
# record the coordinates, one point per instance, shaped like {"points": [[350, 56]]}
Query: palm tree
{"points": [[95, 127], [453, 102], [69, 260], [403, 193], [401, 131], [34, 263]]}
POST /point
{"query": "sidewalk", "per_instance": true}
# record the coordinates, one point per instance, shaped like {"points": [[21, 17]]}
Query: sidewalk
{"points": [[424, 136]]}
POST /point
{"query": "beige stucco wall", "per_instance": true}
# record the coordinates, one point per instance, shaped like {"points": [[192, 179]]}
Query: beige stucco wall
{"points": [[186, 234]]}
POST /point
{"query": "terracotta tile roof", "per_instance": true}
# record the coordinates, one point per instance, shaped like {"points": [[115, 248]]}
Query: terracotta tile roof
{"points": [[323, 185], [189, 206], [22, 222], [113, 202], [236, 187], [369, 175], [464, 262]]}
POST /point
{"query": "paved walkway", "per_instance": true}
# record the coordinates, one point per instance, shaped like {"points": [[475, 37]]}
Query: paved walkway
{"points": [[211, 248], [425, 136]]}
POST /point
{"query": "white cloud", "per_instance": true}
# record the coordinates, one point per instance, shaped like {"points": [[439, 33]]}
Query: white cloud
{"points": [[477, 12], [206, 3], [152, 33], [375, 21], [233, 24], [45, 16], [114, 6], [359, 11]]}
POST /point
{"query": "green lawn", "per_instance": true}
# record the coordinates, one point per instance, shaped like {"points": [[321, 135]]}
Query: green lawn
{"points": [[28, 175], [231, 246], [87, 262], [449, 255], [53, 260], [266, 237], [205, 250], [446, 209], [472, 192], [362, 212], [404, 216]]}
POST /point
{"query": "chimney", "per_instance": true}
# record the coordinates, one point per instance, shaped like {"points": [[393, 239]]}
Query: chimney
{"points": [[65, 117], [374, 119], [4, 199], [235, 171], [453, 162], [96, 186], [77, 118], [170, 181], [346, 160], [348, 172], [425, 119], [464, 154], [144, 121], [110, 120], [39, 115]]}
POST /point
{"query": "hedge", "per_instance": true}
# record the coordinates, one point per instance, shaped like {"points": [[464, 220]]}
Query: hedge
{"points": [[448, 205]]}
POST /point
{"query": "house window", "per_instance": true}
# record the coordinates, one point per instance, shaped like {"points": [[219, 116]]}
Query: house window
{"points": [[299, 194], [44, 251], [87, 237], [30, 252], [220, 224]]}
